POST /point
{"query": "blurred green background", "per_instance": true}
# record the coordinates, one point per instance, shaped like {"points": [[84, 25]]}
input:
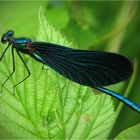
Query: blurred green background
{"points": [[111, 26]]}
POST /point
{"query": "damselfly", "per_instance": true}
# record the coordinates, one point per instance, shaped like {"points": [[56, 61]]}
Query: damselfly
{"points": [[86, 67]]}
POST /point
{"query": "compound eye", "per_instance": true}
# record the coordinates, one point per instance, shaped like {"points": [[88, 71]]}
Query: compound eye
{"points": [[10, 33], [4, 39]]}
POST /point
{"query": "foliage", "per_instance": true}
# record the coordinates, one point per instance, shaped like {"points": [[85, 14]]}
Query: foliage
{"points": [[48, 106], [130, 133]]}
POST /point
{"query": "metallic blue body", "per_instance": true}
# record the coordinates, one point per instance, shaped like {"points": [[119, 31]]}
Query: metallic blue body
{"points": [[22, 40], [121, 98], [21, 43]]}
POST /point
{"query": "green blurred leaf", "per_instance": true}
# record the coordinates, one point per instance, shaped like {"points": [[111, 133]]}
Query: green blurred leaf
{"points": [[123, 18], [82, 37], [20, 16], [58, 17], [130, 133]]}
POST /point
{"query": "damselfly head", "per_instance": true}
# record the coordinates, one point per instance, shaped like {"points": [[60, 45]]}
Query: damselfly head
{"points": [[7, 37]]}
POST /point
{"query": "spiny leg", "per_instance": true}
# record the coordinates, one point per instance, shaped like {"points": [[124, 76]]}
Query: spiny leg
{"points": [[13, 60], [26, 69], [4, 52]]}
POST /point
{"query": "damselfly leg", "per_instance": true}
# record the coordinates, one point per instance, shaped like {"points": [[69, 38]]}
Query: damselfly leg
{"points": [[13, 61], [29, 73]]}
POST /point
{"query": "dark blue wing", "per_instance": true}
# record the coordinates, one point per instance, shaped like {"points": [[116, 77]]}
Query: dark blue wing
{"points": [[90, 68]]}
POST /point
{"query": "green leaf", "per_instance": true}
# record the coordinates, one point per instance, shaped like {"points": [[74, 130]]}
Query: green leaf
{"points": [[20, 16], [48, 106], [117, 34], [58, 22], [130, 133]]}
